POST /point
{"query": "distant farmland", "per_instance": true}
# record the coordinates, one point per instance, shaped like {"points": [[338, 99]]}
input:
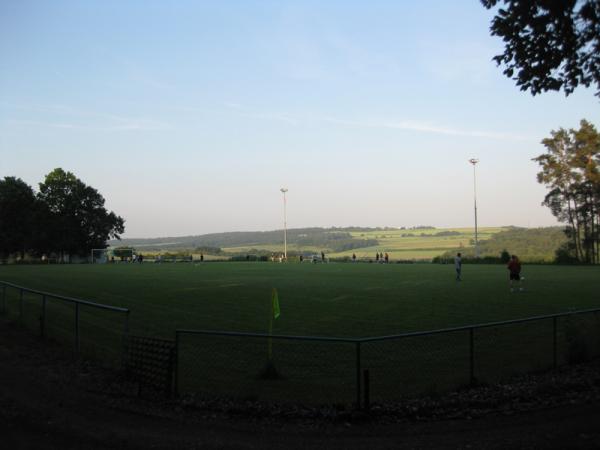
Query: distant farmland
{"points": [[420, 243]]}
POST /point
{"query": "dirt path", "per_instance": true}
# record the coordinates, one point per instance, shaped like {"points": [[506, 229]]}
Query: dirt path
{"points": [[49, 401]]}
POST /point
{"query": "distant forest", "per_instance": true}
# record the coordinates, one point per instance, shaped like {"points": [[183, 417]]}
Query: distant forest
{"points": [[529, 244], [336, 239]]}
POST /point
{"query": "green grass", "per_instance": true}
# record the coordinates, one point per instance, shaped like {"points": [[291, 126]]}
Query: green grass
{"points": [[323, 299], [345, 300]]}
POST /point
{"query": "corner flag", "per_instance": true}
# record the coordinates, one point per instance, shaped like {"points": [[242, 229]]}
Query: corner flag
{"points": [[276, 312]]}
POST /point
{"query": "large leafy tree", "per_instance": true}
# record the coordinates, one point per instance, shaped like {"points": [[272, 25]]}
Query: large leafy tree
{"points": [[570, 169], [549, 44], [18, 207], [78, 220]]}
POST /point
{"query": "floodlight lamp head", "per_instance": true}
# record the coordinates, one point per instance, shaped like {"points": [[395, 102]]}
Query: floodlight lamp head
{"points": [[473, 161], [284, 190]]}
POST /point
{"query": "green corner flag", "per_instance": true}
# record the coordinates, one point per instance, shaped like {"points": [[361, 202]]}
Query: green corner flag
{"points": [[275, 304], [275, 313]]}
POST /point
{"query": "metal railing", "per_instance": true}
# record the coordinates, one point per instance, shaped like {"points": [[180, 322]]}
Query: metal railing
{"points": [[384, 368], [321, 370], [53, 311]]}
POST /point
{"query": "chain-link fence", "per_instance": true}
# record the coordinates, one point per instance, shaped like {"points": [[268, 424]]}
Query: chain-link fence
{"points": [[94, 330], [262, 367], [320, 370]]}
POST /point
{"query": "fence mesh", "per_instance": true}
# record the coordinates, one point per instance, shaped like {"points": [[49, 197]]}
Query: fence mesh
{"points": [[310, 371], [578, 337], [93, 332], [416, 365], [318, 370], [502, 351]]}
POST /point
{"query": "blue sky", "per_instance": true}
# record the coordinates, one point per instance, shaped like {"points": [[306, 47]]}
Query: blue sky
{"points": [[189, 116]]}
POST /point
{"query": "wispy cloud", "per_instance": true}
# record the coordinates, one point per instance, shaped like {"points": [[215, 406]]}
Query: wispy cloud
{"points": [[67, 117], [427, 127], [129, 125], [251, 113]]}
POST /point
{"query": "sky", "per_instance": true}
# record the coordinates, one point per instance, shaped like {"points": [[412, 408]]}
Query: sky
{"points": [[189, 117]]}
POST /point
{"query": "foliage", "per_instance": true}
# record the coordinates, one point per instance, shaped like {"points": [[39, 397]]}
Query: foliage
{"points": [[549, 45], [123, 252], [77, 218], [329, 239], [569, 168], [66, 216], [530, 244], [18, 211]]}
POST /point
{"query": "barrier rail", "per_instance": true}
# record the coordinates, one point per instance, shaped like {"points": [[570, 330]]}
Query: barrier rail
{"points": [[387, 367], [93, 323]]}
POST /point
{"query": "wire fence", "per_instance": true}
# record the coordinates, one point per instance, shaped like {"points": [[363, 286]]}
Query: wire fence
{"points": [[315, 370], [93, 330], [321, 370]]}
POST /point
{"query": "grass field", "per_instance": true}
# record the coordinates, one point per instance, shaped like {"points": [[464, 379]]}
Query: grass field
{"points": [[344, 300], [323, 299]]}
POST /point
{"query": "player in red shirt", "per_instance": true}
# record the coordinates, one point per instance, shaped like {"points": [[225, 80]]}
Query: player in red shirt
{"points": [[514, 266]]}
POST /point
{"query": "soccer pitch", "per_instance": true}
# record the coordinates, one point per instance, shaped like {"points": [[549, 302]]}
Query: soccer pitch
{"points": [[337, 299], [331, 300]]}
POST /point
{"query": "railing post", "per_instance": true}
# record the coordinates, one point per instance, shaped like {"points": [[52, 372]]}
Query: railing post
{"points": [[176, 366], [43, 318], [77, 345], [554, 342], [125, 344], [3, 299], [21, 305], [357, 374], [472, 355], [367, 388]]}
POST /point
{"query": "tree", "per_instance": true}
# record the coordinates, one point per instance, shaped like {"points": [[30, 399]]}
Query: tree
{"points": [[18, 206], [549, 44], [77, 219], [569, 168]]}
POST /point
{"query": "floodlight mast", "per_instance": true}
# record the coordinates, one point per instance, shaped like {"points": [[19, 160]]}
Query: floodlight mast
{"points": [[284, 190], [474, 161]]}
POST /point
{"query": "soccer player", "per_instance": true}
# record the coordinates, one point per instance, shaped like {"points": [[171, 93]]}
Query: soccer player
{"points": [[514, 266], [458, 266]]}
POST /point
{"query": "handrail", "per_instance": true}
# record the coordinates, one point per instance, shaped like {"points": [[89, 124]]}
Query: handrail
{"points": [[480, 325], [65, 298], [390, 337], [264, 335]]}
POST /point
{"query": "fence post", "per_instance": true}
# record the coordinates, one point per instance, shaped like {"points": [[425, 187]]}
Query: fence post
{"points": [[367, 388], [176, 366], [77, 346], [471, 355], [125, 343], [43, 318], [3, 299], [21, 305], [554, 342], [358, 375]]}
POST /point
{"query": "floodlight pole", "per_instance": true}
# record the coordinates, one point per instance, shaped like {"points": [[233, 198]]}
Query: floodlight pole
{"points": [[474, 161], [284, 190]]}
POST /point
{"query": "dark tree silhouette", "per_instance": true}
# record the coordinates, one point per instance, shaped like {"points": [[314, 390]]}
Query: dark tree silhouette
{"points": [[549, 44], [18, 206], [77, 218]]}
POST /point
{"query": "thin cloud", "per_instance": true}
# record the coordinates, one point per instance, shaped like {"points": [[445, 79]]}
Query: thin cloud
{"points": [[426, 127], [125, 126], [68, 117], [251, 113]]}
